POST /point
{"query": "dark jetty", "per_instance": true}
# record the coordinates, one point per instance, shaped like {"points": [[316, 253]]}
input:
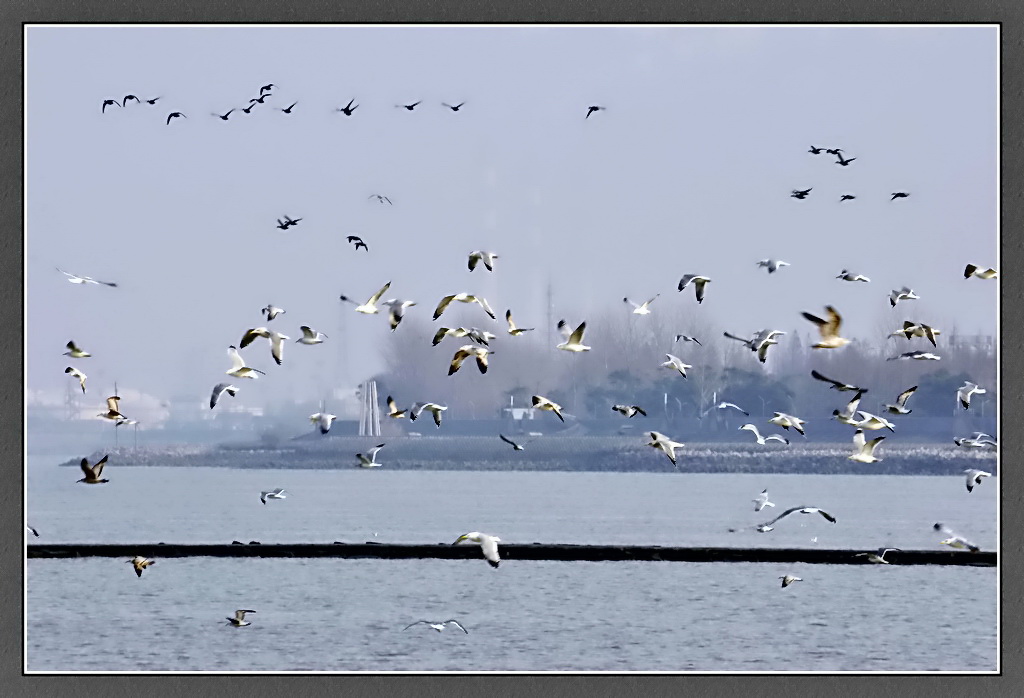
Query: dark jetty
{"points": [[510, 552]]}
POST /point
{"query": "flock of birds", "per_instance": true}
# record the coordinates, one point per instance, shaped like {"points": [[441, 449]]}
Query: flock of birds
{"points": [[829, 328]]}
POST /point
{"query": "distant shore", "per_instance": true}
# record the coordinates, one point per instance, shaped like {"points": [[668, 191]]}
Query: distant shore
{"points": [[589, 454]]}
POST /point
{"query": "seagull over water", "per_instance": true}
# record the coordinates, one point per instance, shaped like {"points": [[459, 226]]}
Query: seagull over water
{"points": [[92, 473], [687, 338], [674, 362], [789, 579], [542, 403], [787, 421], [954, 540], [113, 411], [629, 410], [768, 526], [974, 477], [865, 452], [916, 355], [272, 494], [665, 445], [323, 421], [239, 620], [762, 440], [762, 501], [878, 558], [393, 410], [439, 626], [515, 446], [901, 402], [140, 563], [238, 368], [964, 392], [488, 545], [370, 460], [432, 407], [917, 329]]}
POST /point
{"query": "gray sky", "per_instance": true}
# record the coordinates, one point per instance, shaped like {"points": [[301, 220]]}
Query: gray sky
{"points": [[688, 170]]}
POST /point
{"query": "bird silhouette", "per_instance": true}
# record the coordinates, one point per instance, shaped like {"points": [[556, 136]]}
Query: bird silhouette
{"points": [[358, 241], [847, 197], [127, 97], [455, 108], [289, 109], [843, 162], [223, 117], [899, 195], [152, 101], [410, 107], [266, 88], [259, 99], [348, 108], [591, 110], [174, 114], [107, 103]]}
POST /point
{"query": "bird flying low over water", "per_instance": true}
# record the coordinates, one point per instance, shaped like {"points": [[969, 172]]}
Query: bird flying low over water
{"points": [[664, 444], [512, 329], [542, 403], [481, 256], [674, 362], [393, 410], [865, 452], [954, 540], [974, 477], [765, 527], [270, 312], [629, 410], [92, 473], [488, 545], [272, 494], [370, 306], [239, 620], [878, 558], [358, 242], [851, 276], [762, 440], [439, 626], [75, 373], [432, 407], [463, 298], [761, 501], [787, 421], [75, 353], [140, 563], [902, 294], [837, 385], [76, 279], [901, 402], [238, 368], [592, 109], [699, 282], [310, 336], [964, 392], [370, 460], [642, 308], [773, 265], [980, 272], [465, 351], [218, 390], [828, 329], [872, 422], [916, 355], [574, 341], [849, 414], [515, 446], [977, 440], [323, 421], [789, 579]]}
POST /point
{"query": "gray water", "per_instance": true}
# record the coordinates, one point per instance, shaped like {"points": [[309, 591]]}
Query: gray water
{"points": [[347, 615]]}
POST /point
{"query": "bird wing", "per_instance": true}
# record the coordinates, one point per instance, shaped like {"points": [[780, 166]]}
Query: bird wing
{"points": [[308, 333], [783, 515], [215, 395], [473, 259], [834, 321], [376, 297], [252, 334], [487, 308], [112, 403], [86, 469], [452, 620], [277, 346], [416, 623], [236, 359], [98, 468], [508, 319], [490, 549], [904, 396], [507, 440], [442, 305], [815, 374], [373, 452], [577, 336]]}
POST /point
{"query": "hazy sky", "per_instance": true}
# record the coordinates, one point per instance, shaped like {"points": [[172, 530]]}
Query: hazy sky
{"points": [[688, 170]]}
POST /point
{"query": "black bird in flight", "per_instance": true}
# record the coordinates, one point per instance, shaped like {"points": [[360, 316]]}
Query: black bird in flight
{"points": [[455, 108], [842, 162], [847, 197], [223, 117], [174, 114], [380, 198], [410, 107], [815, 151], [348, 108], [107, 103], [899, 195], [291, 221], [127, 97], [833, 151], [152, 101], [591, 110], [801, 193], [266, 88], [248, 109], [358, 241], [289, 109], [282, 225], [259, 99]]}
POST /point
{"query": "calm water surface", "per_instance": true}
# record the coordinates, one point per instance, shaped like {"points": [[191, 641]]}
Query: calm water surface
{"points": [[348, 615]]}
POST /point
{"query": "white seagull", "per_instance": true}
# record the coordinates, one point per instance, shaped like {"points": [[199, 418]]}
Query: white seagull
{"points": [[762, 501], [865, 449], [449, 332], [481, 256], [765, 527], [730, 405], [439, 626], [370, 306], [981, 273], [789, 579], [954, 540], [964, 392], [917, 356], [76, 279], [574, 341], [432, 407], [772, 264], [642, 308], [463, 298], [488, 544], [828, 329], [688, 338], [698, 284], [872, 422], [238, 368], [311, 336], [465, 351], [75, 373], [878, 557], [849, 413], [371, 460], [113, 412], [976, 440], [674, 362], [276, 341], [512, 329], [786, 421], [913, 329], [239, 620], [323, 421], [542, 403], [901, 402], [762, 440], [665, 445], [850, 276], [902, 294], [974, 477], [218, 390], [140, 563], [75, 353], [271, 312], [393, 410], [629, 410], [396, 311], [272, 494]]}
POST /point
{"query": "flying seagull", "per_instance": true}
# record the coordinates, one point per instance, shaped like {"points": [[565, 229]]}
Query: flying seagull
{"points": [[828, 329], [977, 440], [310, 336], [964, 392], [112, 413], [815, 151], [512, 329], [762, 440], [759, 343], [515, 446], [488, 544], [465, 351], [789, 579], [699, 282], [380, 199], [981, 273], [873, 422], [463, 298], [629, 410], [954, 540], [865, 452], [901, 402], [687, 338], [911, 329], [238, 368], [152, 101], [573, 341], [903, 294], [348, 108], [239, 620], [432, 407], [849, 413], [276, 341], [762, 501], [396, 311], [733, 406], [92, 473], [140, 563], [878, 558], [271, 312], [358, 242], [781, 419], [266, 88], [323, 421], [847, 275], [370, 306], [74, 352], [674, 362], [772, 264], [974, 477], [393, 410], [33, 531], [370, 461], [219, 389], [440, 626], [765, 527], [259, 100], [75, 373], [592, 109], [272, 494], [642, 308], [174, 115], [837, 385], [481, 256], [76, 279], [917, 355], [443, 332], [453, 108], [801, 193], [664, 444], [542, 403]]}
